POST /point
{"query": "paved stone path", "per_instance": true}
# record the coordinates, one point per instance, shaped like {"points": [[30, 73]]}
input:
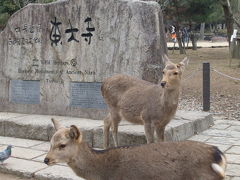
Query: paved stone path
{"points": [[226, 135], [203, 44], [5, 176], [27, 157]]}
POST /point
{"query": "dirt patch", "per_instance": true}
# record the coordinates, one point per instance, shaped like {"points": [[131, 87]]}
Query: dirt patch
{"points": [[225, 92]]}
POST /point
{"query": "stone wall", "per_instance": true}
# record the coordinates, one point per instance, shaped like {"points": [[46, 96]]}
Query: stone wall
{"points": [[54, 56]]}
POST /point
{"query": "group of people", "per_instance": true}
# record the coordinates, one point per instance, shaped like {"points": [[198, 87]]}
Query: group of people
{"points": [[184, 34]]}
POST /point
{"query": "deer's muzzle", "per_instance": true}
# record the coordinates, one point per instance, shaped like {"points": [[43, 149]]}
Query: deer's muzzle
{"points": [[163, 83], [46, 161]]}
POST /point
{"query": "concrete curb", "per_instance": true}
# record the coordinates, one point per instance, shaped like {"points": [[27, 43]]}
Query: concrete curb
{"points": [[28, 155], [39, 127]]}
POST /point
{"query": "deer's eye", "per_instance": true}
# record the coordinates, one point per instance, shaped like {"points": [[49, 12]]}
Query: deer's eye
{"points": [[62, 146], [163, 72], [175, 73]]}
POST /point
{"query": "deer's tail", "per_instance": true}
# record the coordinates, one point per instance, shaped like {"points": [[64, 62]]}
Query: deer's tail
{"points": [[220, 162]]}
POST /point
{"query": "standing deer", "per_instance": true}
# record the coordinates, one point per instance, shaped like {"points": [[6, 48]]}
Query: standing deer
{"points": [[187, 160], [142, 102]]}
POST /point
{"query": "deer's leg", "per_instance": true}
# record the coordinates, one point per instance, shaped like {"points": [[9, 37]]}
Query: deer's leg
{"points": [[115, 134], [115, 121], [149, 132], [107, 124], [160, 132]]}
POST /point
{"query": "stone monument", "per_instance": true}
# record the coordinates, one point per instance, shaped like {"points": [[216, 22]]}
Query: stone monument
{"points": [[53, 57]]}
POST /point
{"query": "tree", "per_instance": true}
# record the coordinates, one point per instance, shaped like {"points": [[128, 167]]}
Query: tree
{"points": [[3, 19], [177, 6], [235, 6], [8, 7], [228, 17], [190, 12]]}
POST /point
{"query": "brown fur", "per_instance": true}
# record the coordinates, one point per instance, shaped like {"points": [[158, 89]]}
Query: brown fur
{"points": [[186, 160], [142, 102]]}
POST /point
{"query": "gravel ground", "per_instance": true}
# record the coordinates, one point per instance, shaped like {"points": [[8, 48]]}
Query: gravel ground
{"points": [[224, 107], [225, 92]]}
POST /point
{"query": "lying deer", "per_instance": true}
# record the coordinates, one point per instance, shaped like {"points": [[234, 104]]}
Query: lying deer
{"points": [[142, 102], [187, 160]]}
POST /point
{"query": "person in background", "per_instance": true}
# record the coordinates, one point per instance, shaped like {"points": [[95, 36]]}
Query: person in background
{"points": [[185, 35], [172, 31]]}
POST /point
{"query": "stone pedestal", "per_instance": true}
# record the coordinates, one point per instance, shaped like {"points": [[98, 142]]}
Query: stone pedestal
{"points": [[53, 57]]}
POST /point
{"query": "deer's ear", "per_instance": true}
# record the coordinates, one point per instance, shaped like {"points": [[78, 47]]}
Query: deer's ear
{"points": [[165, 59], [183, 63], [56, 124], [74, 132]]}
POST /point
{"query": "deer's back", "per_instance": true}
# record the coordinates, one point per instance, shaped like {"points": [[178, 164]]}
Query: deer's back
{"points": [[115, 87], [167, 160], [136, 100]]}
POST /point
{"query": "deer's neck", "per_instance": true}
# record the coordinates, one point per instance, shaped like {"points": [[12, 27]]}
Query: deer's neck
{"points": [[82, 163], [91, 164], [170, 97]]}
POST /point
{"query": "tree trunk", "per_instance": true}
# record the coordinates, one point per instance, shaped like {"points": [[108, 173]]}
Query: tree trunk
{"points": [[179, 38], [193, 38], [211, 28], [228, 17], [202, 31]]}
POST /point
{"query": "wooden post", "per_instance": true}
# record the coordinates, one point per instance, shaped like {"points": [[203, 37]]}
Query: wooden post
{"points": [[206, 86]]}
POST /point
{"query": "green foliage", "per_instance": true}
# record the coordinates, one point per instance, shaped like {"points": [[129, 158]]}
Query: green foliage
{"points": [[198, 11], [8, 7], [3, 19], [217, 16], [235, 4]]}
